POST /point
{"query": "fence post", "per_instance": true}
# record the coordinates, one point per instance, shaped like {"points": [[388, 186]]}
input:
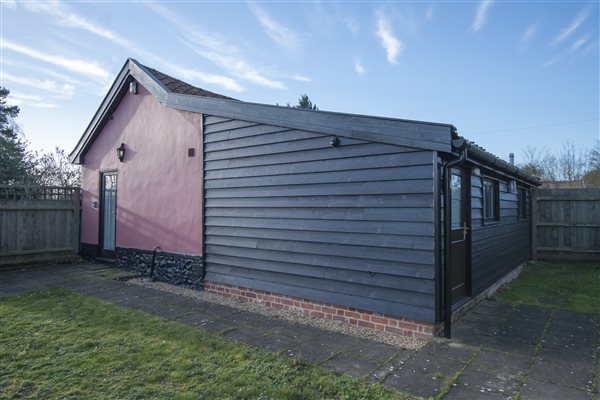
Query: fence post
{"points": [[534, 223], [76, 218]]}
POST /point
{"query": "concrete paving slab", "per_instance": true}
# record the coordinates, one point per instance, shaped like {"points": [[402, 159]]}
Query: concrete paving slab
{"points": [[503, 362], [464, 393], [248, 318], [560, 374], [481, 379], [216, 325], [514, 345], [450, 349], [276, 343], [536, 390], [244, 333], [415, 383], [295, 331], [434, 366], [350, 364], [194, 318], [314, 353], [380, 352]]}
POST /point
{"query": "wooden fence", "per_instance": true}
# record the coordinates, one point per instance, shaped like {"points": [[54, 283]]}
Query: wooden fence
{"points": [[566, 224], [38, 223]]}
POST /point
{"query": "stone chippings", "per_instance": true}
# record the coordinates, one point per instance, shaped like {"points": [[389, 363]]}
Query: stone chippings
{"points": [[329, 325], [176, 269]]}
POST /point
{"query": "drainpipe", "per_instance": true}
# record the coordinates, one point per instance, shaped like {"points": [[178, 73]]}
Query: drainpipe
{"points": [[158, 250], [462, 147]]}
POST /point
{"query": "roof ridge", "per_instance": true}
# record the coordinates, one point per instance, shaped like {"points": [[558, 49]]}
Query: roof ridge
{"points": [[180, 87]]}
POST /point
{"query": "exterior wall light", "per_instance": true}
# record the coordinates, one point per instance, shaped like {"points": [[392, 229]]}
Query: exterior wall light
{"points": [[334, 141], [121, 152], [133, 87]]}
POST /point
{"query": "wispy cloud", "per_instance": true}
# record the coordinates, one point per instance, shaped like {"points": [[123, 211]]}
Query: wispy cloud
{"points": [[301, 78], [194, 75], [580, 42], [392, 45], [358, 67], [217, 50], [82, 67], [528, 35], [430, 11], [551, 62], [572, 27], [66, 17], [239, 68], [73, 20], [279, 33], [352, 25], [21, 99], [58, 90], [481, 14]]}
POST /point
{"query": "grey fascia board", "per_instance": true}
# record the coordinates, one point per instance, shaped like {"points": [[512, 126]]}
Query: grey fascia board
{"points": [[497, 163], [140, 74], [383, 130]]}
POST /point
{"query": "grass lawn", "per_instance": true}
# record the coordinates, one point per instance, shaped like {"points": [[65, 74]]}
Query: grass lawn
{"points": [[566, 286], [59, 344]]}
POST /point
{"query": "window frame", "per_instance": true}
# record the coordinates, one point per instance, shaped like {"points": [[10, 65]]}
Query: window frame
{"points": [[495, 188]]}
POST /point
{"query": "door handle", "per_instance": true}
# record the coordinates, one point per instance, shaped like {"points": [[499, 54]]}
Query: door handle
{"points": [[465, 230]]}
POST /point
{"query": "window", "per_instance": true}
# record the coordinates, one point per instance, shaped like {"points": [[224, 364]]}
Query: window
{"points": [[522, 203], [490, 201]]}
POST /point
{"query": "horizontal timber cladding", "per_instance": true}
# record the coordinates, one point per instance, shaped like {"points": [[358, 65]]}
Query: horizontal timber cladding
{"points": [[499, 247], [350, 225]]}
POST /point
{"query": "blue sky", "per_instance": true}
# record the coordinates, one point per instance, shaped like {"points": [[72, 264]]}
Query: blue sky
{"points": [[507, 74]]}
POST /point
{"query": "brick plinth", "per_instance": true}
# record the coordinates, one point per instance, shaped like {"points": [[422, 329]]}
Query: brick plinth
{"points": [[366, 319]]}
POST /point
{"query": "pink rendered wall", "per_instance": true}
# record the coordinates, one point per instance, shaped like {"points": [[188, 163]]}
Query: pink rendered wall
{"points": [[159, 188]]}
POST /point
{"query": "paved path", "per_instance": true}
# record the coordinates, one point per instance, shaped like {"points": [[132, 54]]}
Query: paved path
{"points": [[498, 350]]}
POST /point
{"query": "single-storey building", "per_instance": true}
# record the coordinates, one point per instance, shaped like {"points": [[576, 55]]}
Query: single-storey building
{"points": [[340, 216]]}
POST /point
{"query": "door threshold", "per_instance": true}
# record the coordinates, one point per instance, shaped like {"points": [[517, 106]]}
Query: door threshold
{"points": [[460, 303]]}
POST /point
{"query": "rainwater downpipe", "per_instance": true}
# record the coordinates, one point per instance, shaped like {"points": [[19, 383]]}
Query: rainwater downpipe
{"points": [[158, 250], [447, 240]]}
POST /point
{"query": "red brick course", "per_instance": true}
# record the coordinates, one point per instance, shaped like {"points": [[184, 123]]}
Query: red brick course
{"points": [[349, 315]]}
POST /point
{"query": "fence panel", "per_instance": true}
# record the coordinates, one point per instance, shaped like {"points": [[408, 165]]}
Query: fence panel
{"points": [[567, 224], [38, 223]]}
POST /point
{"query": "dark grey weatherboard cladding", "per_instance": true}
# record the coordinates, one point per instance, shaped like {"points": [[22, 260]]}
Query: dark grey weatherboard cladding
{"points": [[497, 247], [350, 225]]}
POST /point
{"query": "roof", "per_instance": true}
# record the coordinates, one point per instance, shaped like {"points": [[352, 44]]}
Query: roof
{"points": [[179, 95], [181, 87], [176, 94]]}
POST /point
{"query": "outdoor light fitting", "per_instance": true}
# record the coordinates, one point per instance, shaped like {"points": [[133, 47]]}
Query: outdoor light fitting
{"points": [[133, 87], [121, 152], [334, 141]]}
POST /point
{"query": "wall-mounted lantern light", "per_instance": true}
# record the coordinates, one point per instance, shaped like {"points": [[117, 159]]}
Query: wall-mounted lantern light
{"points": [[334, 141], [133, 87], [121, 152]]}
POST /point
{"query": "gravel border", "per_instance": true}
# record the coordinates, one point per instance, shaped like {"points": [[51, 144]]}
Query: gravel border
{"points": [[297, 317]]}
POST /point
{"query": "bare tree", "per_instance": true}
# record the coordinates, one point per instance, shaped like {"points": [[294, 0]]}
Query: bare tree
{"points": [[55, 169], [567, 164], [592, 176], [572, 163], [540, 163]]}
